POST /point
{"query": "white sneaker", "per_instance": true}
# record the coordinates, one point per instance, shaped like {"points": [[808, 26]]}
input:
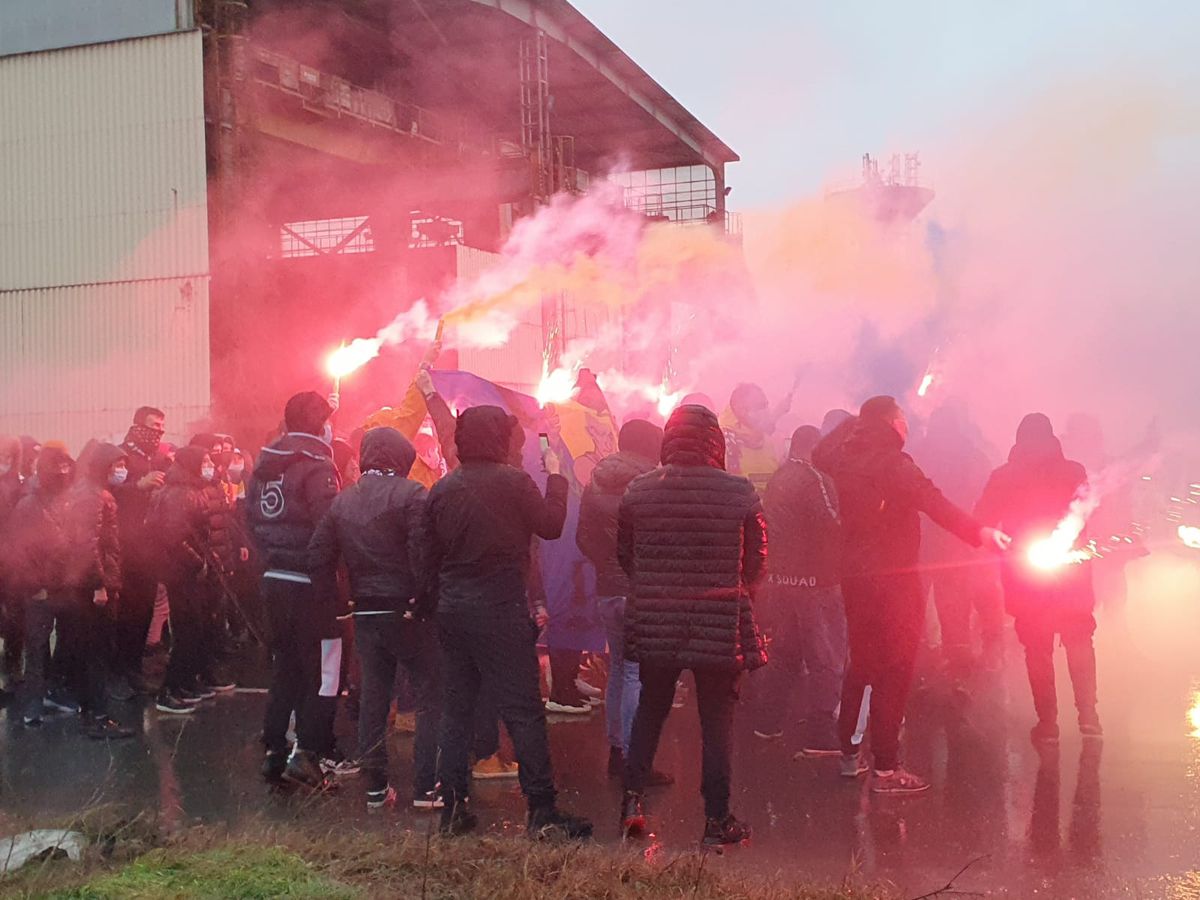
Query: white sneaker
{"points": [[588, 691]]}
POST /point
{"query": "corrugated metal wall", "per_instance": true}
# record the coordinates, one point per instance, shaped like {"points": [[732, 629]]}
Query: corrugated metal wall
{"points": [[103, 236]]}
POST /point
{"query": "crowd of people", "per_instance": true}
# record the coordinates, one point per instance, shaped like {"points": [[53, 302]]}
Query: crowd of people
{"points": [[407, 559]]}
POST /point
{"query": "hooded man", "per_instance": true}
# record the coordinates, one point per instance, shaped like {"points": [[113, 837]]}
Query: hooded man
{"points": [[374, 527], [37, 577], [93, 576], [139, 578], [804, 600], [480, 521], [692, 540], [639, 448], [185, 523], [1028, 496], [291, 490], [882, 494]]}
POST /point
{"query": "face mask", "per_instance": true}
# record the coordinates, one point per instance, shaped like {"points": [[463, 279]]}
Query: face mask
{"points": [[118, 477], [208, 472], [236, 471], [327, 434]]}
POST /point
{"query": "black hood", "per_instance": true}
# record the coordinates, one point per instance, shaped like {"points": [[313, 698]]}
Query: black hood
{"points": [[1035, 441], [290, 449], [484, 434], [853, 438], [186, 467], [641, 438], [693, 437], [49, 480], [614, 473], [388, 450], [96, 459]]}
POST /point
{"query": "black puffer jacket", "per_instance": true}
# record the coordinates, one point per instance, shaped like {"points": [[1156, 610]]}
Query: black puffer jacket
{"points": [[37, 535], [375, 527], [882, 494], [482, 517], [90, 523], [180, 520], [692, 539], [596, 536], [291, 490]]}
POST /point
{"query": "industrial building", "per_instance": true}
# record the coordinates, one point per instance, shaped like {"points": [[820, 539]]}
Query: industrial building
{"points": [[199, 199]]}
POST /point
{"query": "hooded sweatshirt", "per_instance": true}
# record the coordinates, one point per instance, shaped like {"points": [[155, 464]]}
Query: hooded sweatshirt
{"points": [[293, 486], [482, 517], [179, 519], [640, 445], [692, 539], [375, 528], [90, 522], [1027, 497], [37, 539]]}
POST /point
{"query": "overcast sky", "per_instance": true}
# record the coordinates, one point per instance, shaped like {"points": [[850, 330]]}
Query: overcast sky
{"points": [[802, 89]]}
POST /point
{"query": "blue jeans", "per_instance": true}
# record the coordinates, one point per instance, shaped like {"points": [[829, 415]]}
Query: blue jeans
{"points": [[624, 679]]}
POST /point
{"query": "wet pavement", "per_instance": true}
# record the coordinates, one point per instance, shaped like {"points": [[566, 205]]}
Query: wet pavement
{"points": [[1121, 818]]}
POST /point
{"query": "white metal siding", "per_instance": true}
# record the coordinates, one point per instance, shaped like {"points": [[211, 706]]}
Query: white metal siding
{"points": [[103, 238], [102, 168], [75, 362]]}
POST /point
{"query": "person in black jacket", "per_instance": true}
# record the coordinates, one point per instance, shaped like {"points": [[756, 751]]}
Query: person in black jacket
{"points": [[692, 539], [182, 524], [139, 581], [12, 605], [804, 607], [882, 494], [38, 558], [376, 527], [291, 490], [639, 447], [480, 521], [1028, 496], [93, 579]]}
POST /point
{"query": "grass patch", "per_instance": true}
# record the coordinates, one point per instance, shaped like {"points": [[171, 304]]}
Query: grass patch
{"points": [[270, 861], [250, 872]]}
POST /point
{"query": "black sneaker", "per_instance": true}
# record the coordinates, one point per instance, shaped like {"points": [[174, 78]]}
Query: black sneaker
{"points": [[273, 766], [202, 690], [1044, 734], [1089, 726], [427, 800], [633, 815], [549, 823], [303, 768], [725, 832], [457, 819], [189, 696], [105, 729], [59, 701], [167, 702], [659, 779], [32, 721]]}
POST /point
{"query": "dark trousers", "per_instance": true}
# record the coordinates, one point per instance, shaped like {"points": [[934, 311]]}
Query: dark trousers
{"points": [[884, 617], [1037, 637], [12, 630], [192, 606], [500, 650], [958, 590], [564, 669], [40, 617], [808, 638], [386, 643], [486, 741], [716, 696], [131, 620], [297, 623], [84, 635]]}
